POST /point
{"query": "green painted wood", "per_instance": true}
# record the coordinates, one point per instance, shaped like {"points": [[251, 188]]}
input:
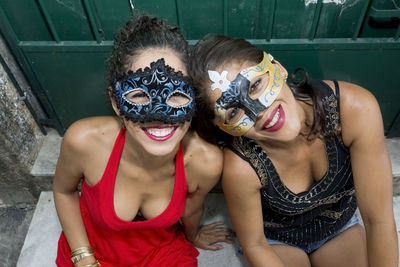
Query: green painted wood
{"points": [[26, 20], [361, 18], [93, 22], [11, 37], [63, 47], [112, 15], [179, 17], [271, 15], [70, 19], [317, 13], [75, 84], [48, 20], [380, 27], [395, 128], [208, 18]]}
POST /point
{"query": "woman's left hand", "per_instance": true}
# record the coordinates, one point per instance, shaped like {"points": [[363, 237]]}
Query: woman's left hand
{"points": [[209, 235]]}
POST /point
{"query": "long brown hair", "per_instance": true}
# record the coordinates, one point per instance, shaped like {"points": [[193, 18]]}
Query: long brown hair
{"points": [[215, 50]]}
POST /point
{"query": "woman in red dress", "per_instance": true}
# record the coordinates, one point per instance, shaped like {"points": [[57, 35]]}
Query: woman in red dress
{"points": [[142, 170]]}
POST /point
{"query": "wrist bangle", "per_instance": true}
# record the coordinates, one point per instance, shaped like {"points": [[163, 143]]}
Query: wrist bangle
{"points": [[80, 250], [80, 253], [81, 256], [94, 264]]}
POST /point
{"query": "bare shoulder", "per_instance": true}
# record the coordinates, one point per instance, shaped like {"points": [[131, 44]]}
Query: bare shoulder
{"points": [[203, 161], [82, 148], [359, 112], [238, 173], [354, 96], [87, 133], [350, 90]]}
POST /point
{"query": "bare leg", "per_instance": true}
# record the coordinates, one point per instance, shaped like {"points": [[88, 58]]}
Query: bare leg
{"points": [[348, 249], [292, 256]]}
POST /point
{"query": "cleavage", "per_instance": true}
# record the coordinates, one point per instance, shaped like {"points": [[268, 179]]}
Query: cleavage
{"points": [[141, 193], [302, 168]]}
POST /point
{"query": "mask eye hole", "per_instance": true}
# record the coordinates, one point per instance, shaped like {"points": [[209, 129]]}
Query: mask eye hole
{"points": [[137, 96], [258, 86], [178, 99], [233, 115]]}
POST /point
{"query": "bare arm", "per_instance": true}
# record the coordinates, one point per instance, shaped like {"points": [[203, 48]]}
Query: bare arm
{"points": [[242, 192], [363, 133], [68, 174], [203, 173]]}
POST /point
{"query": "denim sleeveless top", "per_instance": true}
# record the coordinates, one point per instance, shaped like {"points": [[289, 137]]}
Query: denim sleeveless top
{"points": [[327, 206]]}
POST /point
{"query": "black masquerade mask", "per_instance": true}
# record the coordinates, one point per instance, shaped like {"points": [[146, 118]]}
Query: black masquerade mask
{"points": [[157, 93]]}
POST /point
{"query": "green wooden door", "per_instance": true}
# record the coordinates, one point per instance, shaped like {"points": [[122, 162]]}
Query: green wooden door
{"points": [[62, 45]]}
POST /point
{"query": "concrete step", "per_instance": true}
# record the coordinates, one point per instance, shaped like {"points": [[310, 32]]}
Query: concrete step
{"points": [[40, 246], [45, 164], [46, 161]]}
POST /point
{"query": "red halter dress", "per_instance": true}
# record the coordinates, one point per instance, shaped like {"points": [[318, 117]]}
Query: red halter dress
{"points": [[159, 241]]}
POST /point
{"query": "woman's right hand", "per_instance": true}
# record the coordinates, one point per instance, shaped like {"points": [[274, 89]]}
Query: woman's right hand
{"points": [[208, 235]]}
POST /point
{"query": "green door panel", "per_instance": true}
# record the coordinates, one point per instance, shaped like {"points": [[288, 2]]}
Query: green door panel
{"points": [[381, 26], [112, 15], [26, 20], [73, 82], [69, 19], [208, 16]]}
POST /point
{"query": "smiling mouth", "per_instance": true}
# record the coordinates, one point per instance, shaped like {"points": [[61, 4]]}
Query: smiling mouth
{"points": [[274, 119], [160, 133], [275, 122]]}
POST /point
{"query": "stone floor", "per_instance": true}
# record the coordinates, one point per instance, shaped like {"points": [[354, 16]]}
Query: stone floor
{"points": [[19, 193]]}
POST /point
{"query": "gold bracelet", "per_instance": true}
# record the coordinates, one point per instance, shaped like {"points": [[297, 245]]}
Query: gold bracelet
{"points": [[81, 256], [96, 263], [81, 250], [79, 253]]}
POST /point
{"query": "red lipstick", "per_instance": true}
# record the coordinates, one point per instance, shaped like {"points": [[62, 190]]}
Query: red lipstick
{"points": [[279, 123], [157, 133]]}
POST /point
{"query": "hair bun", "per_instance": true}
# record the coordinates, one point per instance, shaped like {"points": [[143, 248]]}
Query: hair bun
{"points": [[300, 77], [138, 34]]}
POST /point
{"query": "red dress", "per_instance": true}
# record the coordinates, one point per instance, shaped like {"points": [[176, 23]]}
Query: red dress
{"points": [[159, 241]]}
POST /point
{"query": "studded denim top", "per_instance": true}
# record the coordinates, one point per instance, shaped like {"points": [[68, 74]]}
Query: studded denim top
{"points": [[329, 203]]}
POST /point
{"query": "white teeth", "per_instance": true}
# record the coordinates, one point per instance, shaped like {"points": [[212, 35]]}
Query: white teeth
{"points": [[160, 132], [274, 120]]}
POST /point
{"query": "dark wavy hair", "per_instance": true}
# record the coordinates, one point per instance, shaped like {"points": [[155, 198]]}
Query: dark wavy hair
{"points": [[215, 50], [137, 35]]}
